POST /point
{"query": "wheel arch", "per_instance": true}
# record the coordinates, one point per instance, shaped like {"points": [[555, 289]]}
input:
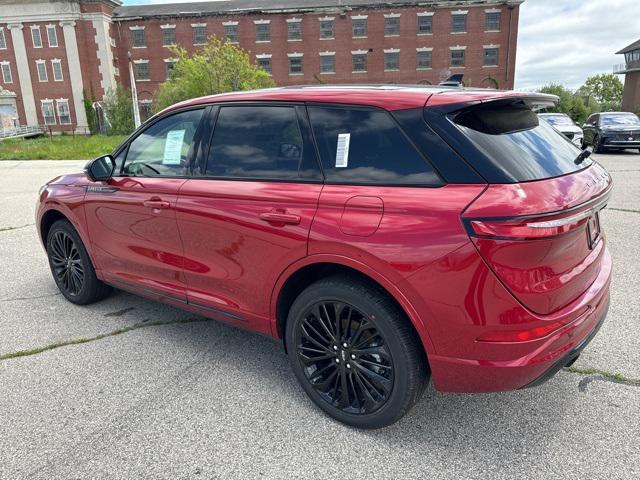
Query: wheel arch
{"points": [[302, 274]]}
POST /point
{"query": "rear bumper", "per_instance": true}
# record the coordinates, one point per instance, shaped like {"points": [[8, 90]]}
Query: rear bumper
{"points": [[539, 361]]}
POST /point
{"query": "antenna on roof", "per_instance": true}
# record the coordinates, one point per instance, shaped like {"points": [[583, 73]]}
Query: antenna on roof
{"points": [[454, 80]]}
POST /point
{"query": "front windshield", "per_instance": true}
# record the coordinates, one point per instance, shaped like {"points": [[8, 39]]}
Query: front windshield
{"points": [[619, 120], [558, 119]]}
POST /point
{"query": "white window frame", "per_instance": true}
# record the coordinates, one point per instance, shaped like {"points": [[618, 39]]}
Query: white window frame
{"points": [[53, 111], [53, 70], [366, 57], [33, 39], [266, 56], [224, 35], [299, 22], [360, 17], [138, 62], [328, 54], [424, 49], [63, 101], [466, 21], [333, 27], [193, 30], [46, 74], [3, 45], [296, 55], [138, 27], [390, 51], [52, 28], [489, 11], [424, 14], [491, 47], [165, 28], [391, 15], [457, 47], [263, 22], [6, 65]]}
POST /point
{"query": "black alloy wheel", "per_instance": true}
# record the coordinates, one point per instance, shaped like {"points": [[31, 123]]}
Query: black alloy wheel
{"points": [[67, 263], [344, 357], [354, 351]]}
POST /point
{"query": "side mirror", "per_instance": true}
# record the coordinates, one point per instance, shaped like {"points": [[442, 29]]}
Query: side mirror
{"points": [[101, 168]]}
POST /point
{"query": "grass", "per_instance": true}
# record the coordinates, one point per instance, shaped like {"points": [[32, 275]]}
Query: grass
{"points": [[80, 341], [63, 147]]}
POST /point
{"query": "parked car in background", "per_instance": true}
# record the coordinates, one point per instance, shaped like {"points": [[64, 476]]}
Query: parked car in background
{"points": [[566, 125], [386, 235], [612, 130]]}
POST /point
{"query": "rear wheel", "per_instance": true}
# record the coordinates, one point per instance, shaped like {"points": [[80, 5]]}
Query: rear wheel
{"points": [[355, 353], [71, 266]]}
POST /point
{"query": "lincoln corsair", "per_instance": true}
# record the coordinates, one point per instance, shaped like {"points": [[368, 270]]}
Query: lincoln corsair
{"points": [[388, 236]]}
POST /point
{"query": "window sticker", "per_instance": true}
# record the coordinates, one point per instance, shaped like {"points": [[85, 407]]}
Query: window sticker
{"points": [[173, 147], [342, 150]]}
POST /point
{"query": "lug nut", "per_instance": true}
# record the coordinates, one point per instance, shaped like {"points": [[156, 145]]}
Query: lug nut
{"points": [[345, 345], [353, 357], [337, 360], [335, 347], [348, 366]]}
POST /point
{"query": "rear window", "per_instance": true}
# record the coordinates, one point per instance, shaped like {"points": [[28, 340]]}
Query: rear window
{"points": [[514, 141]]}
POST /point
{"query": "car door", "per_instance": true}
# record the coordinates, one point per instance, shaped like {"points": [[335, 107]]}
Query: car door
{"points": [[247, 217], [132, 219]]}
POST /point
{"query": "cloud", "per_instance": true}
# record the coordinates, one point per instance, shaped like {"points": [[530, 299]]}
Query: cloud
{"points": [[567, 42]]}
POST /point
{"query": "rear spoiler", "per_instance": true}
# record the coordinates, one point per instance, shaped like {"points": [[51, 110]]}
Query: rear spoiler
{"points": [[450, 101]]}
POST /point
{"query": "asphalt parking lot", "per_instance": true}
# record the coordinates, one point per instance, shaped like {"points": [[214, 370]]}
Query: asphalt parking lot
{"points": [[198, 399]]}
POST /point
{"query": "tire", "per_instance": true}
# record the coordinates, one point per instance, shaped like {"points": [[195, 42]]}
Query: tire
{"points": [[597, 148], [71, 266], [373, 351]]}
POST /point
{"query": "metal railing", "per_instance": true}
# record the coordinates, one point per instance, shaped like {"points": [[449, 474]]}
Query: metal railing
{"points": [[21, 131], [627, 67]]}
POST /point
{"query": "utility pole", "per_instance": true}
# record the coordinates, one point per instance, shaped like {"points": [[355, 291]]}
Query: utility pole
{"points": [[134, 94]]}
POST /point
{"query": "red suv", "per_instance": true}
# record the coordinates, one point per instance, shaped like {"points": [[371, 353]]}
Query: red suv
{"points": [[387, 235]]}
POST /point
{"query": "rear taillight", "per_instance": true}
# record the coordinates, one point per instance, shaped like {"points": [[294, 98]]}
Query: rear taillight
{"points": [[522, 335], [532, 228]]}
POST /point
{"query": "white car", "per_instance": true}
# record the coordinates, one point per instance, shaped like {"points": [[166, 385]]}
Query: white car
{"points": [[563, 122]]}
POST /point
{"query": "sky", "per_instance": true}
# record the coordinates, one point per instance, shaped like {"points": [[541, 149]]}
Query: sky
{"points": [[563, 41]]}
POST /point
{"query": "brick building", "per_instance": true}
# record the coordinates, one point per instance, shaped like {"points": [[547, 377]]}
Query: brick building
{"points": [[54, 54]]}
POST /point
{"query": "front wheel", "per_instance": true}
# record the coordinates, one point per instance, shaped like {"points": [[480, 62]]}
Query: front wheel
{"points": [[71, 266], [355, 353], [597, 148]]}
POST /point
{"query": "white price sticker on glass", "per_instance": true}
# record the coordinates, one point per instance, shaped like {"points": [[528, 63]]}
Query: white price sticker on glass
{"points": [[342, 150], [173, 147]]}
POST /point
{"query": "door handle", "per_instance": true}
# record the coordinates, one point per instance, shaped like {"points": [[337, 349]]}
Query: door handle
{"points": [[280, 217], [157, 204]]}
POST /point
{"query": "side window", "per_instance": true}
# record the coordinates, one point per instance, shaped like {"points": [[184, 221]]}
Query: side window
{"points": [[259, 142], [163, 149], [365, 146]]}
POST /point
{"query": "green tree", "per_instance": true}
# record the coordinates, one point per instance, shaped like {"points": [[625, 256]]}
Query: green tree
{"points": [[606, 89], [570, 103], [118, 111], [216, 68]]}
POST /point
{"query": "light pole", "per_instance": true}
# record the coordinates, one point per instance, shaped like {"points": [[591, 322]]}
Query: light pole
{"points": [[134, 94]]}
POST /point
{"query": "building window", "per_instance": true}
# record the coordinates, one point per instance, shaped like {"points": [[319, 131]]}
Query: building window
{"points": [[52, 36], [492, 21], [359, 61], [169, 65], [231, 32], [327, 28], [3, 40], [457, 58], [423, 59], [41, 66], [425, 24], [48, 114], [137, 38], [168, 35], [263, 31], [141, 70], [392, 25], [490, 57], [35, 37], [56, 66], [199, 34], [264, 62], [391, 60], [359, 27], [459, 23], [294, 29], [145, 109], [328, 62], [6, 72], [295, 64], [64, 116]]}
